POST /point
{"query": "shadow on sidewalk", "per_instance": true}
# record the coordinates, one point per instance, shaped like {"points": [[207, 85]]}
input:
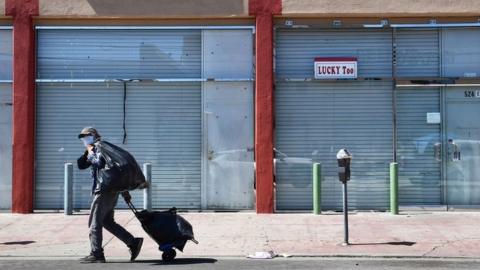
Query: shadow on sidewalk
{"points": [[399, 243], [17, 243], [179, 261]]}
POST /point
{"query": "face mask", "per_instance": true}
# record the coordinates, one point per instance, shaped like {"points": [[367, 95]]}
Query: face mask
{"points": [[88, 140]]}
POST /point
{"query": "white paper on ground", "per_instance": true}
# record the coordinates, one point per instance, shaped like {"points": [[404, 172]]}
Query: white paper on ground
{"points": [[262, 255], [284, 255]]}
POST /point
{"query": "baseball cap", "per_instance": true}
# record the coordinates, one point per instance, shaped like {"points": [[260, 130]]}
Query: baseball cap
{"points": [[89, 131]]}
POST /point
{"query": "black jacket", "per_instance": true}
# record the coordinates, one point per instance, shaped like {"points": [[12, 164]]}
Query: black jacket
{"points": [[96, 163]]}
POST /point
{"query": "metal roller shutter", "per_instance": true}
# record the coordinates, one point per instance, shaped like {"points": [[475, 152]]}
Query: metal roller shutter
{"points": [[163, 120], [164, 128], [419, 172], [296, 49], [62, 110], [460, 52], [418, 53], [313, 121], [6, 145], [118, 54], [6, 58], [6, 118]]}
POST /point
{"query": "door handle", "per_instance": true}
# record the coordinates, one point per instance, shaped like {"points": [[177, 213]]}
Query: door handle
{"points": [[210, 154], [453, 151], [437, 151], [250, 149], [207, 146], [456, 153]]}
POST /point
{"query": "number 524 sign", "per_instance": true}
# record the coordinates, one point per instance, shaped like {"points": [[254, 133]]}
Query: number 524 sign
{"points": [[472, 93]]}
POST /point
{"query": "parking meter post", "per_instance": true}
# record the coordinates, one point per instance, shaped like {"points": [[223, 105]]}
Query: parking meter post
{"points": [[394, 188], [345, 214], [317, 188], [147, 192], [68, 189], [343, 159]]}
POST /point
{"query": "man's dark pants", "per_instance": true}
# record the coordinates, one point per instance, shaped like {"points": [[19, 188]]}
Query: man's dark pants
{"points": [[101, 216]]}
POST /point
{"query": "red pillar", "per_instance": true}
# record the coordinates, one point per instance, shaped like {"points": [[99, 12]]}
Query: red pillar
{"points": [[264, 11], [23, 139], [264, 113]]}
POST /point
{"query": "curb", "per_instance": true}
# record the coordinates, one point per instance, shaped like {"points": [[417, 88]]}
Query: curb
{"points": [[296, 257]]}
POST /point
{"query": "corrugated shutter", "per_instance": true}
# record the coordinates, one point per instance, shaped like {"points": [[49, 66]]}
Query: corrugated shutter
{"points": [[460, 52], [164, 128], [6, 52], [6, 145], [316, 119], [419, 172], [6, 118], [114, 54], [297, 48], [163, 120], [418, 53], [62, 111]]}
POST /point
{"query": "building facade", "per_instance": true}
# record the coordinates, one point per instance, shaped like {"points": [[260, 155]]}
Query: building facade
{"points": [[233, 101]]}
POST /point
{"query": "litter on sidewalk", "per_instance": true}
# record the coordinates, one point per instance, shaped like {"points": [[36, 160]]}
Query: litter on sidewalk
{"points": [[262, 255]]}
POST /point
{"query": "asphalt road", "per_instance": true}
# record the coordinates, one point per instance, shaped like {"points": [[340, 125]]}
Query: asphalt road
{"points": [[247, 264]]}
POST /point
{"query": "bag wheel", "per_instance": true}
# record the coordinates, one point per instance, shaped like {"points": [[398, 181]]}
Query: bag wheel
{"points": [[169, 255]]}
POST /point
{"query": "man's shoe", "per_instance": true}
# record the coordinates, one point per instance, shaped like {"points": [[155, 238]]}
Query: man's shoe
{"points": [[93, 259], [135, 248]]}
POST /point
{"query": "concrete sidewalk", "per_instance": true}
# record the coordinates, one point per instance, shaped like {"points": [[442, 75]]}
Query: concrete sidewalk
{"points": [[412, 234]]}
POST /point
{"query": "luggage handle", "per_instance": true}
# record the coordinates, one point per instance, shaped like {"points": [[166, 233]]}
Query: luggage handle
{"points": [[132, 207], [128, 200]]}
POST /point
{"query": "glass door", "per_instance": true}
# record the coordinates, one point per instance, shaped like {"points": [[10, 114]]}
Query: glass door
{"points": [[462, 146]]}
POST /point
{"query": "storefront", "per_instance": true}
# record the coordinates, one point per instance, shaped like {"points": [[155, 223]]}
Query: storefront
{"points": [[438, 133], [219, 95], [316, 118], [175, 97], [407, 103], [5, 117]]}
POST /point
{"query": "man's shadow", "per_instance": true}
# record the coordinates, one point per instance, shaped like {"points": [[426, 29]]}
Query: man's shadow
{"points": [[13, 243], [397, 243], [179, 261]]}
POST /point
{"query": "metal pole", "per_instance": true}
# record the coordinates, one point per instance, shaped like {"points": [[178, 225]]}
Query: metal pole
{"points": [[317, 188], [68, 189], [147, 192], [345, 214], [394, 92], [394, 188]]}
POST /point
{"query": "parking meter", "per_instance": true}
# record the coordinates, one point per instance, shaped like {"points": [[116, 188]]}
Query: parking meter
{"points": [[343, 159]]}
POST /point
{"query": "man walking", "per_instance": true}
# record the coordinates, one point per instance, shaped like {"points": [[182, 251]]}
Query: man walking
{"points": [[103, 204]]}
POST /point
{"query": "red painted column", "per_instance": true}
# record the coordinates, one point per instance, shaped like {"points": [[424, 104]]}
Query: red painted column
{"points": [[23, 103], [263, 10], [264, 112]]}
